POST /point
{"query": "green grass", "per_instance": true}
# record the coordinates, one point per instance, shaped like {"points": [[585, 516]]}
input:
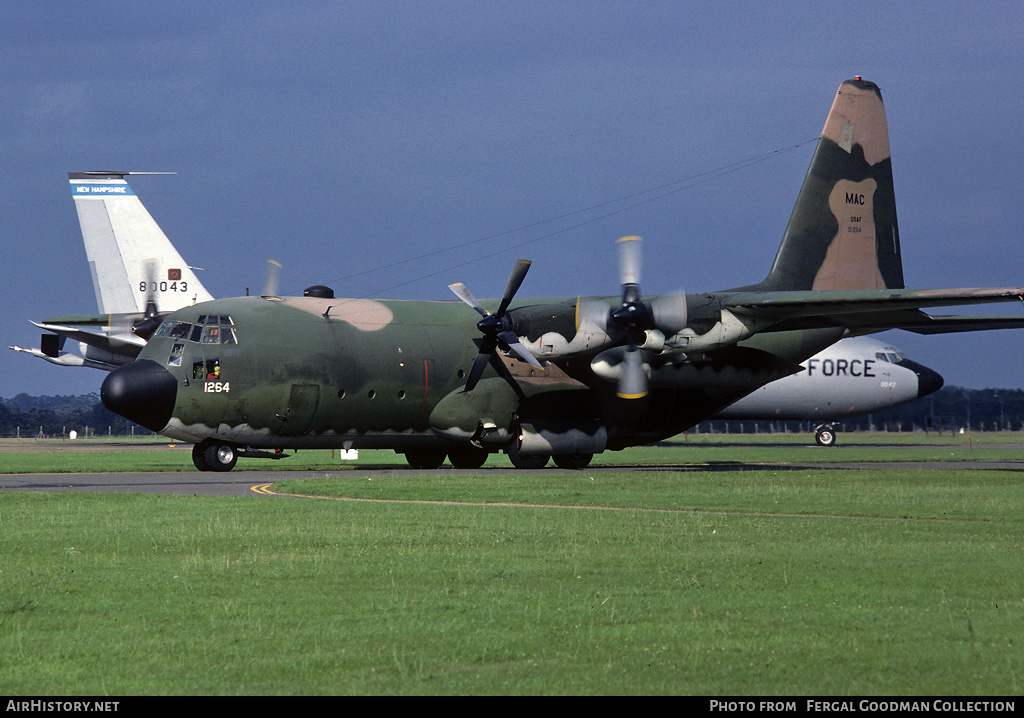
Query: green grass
{"points": [[698, 582], [93, 455]]}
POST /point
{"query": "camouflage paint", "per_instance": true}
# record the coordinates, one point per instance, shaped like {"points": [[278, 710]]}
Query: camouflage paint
{"points": [[850, 176], [314, 372]]}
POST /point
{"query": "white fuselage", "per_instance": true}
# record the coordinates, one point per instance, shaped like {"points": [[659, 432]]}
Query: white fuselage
{"points": [[855, 376]]}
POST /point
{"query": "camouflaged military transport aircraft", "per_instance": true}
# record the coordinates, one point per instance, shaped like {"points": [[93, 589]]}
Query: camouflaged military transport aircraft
{"points": [[127, 251], [564, 378], [137, 274]]}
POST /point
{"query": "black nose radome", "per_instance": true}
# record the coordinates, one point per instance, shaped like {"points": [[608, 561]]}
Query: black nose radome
{"points": [[142, 391], [928, 380]]}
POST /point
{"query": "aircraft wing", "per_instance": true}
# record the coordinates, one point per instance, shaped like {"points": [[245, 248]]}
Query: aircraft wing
{"points": [[948, 323], [810, 304]]}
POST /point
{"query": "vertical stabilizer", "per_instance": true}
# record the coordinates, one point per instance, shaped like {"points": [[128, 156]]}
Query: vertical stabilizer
{"points": [[130, 258], [843, 233]]}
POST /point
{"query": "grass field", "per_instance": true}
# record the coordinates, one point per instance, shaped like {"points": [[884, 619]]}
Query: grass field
{"points": [[695, 581], [154, 454]]}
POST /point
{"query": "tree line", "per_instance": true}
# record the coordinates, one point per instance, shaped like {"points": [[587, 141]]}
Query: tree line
{"points": [[28, 416], [949, 409]]}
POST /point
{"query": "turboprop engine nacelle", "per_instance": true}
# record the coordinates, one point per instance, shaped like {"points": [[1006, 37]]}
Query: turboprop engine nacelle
{"points": [[569, 330]]}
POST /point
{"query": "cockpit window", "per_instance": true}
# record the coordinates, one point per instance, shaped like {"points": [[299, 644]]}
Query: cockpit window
{"points": [[206, 368], [211, 335], [894, 357], [212, 319], [218, 334], [176, 351], [179, 330], [208, 329]]}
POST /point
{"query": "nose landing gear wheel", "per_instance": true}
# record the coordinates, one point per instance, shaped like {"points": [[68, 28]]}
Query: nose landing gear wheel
{"points": [[825, 436], [209, 456]]}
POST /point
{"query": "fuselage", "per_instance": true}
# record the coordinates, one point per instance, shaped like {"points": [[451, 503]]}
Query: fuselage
{"points": [[305, 372]]}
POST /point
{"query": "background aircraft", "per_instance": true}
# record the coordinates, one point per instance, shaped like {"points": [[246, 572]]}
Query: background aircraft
{"points": [[136, 272], [856, 376], [562, 377]]}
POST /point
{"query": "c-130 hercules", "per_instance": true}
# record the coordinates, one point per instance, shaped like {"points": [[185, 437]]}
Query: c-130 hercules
{"points": [[565, 378]]}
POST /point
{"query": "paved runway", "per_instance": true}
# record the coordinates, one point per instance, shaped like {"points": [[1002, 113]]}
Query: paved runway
{"points": [[245, 483], [239, 483]]}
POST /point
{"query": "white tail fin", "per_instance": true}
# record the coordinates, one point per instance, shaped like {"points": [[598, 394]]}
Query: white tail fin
{"points": [[130, 258]]}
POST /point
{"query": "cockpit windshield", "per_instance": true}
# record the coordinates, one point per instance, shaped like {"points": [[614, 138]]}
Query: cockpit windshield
{"points": [[208, 329], [889, 355]]}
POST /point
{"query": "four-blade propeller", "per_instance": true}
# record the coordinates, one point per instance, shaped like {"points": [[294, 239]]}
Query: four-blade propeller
{"points": [[151, 317], [496, 328], [633, 317], [643, 324]]}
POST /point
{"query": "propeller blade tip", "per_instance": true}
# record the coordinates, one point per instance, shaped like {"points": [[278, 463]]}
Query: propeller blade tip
{"points": [[632, 396]]}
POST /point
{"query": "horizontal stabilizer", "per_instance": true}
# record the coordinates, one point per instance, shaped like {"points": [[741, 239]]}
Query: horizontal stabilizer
{"points": [[115, 336]]}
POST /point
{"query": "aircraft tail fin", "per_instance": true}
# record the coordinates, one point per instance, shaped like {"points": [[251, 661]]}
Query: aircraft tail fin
{"points": [[843, 233], [130, 258]]}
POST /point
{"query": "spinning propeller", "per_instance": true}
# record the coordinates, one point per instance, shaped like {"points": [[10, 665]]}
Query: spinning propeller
{"points": [[151, 318], [632, 316], [643, 322], [123, 331], [496, 328]]}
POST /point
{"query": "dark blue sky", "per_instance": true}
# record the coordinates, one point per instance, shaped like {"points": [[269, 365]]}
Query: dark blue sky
{"points": [[344, 139]]}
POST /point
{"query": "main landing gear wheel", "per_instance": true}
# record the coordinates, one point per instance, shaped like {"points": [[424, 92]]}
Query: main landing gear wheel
{"points": [[530, 461], [573, 462], [209, 456], [425, 458], [825, 436], [468, 457]]}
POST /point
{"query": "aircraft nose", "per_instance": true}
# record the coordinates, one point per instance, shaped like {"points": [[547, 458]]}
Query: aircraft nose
{"points": [[928, 380], [142, 391]]}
